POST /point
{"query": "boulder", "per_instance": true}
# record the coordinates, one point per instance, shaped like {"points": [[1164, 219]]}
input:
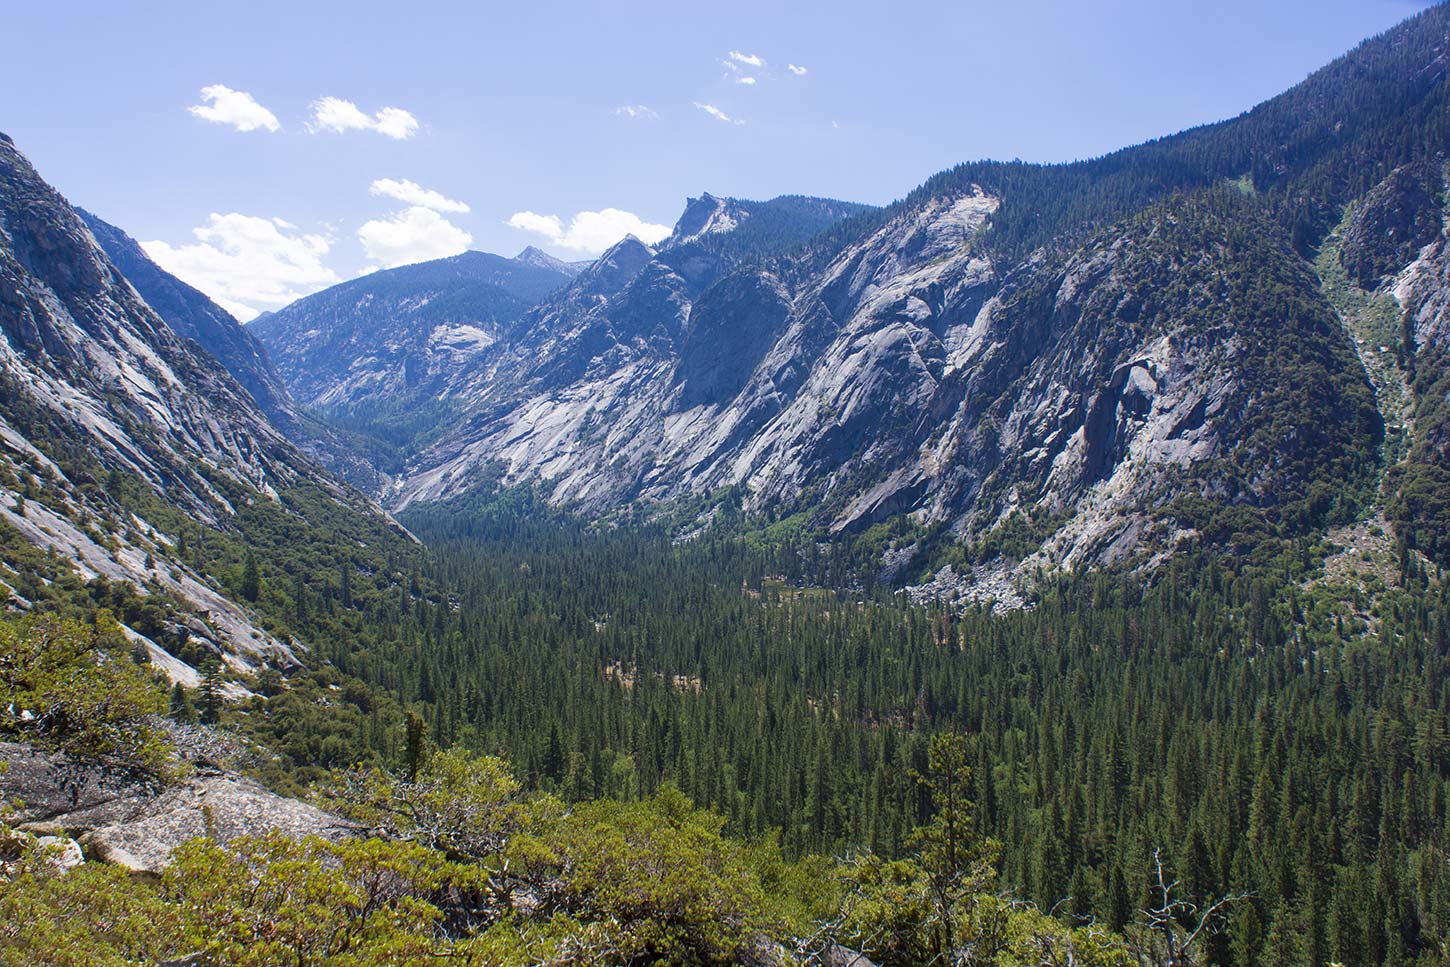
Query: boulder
{"points": [[838, 956], [18, 849], [61, 852]]}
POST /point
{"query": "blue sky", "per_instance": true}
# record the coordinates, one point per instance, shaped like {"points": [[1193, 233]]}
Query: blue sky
{"points": [[566, 124]]}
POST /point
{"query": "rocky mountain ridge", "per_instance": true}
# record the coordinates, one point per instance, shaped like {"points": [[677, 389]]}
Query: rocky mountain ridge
{"points": [[388, 336], [1073, 365]]}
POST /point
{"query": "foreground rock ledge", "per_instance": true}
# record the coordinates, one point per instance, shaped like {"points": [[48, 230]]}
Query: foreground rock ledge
{"points": [[131, 825]]}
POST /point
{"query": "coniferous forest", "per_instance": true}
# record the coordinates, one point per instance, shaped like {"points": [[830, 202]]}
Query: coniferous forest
{"points": [[1234, 724]]}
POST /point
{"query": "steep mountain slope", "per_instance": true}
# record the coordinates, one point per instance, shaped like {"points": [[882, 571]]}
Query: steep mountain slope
{"points": [[1101, 358], [752, 229], [1413, 203], [134, 458], [1186, 352], [192, 315]]}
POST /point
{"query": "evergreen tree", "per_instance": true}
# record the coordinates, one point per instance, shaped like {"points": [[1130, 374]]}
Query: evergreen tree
{"points": [[181, 709], [251, 578], [211, 692]]}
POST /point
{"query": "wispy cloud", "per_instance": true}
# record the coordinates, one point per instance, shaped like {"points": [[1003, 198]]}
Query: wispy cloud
{"points": [[414, 194], [748, 81], [796, 69], [718, 114], [750, 60], [589, 232], [637, 112], [337, 115], [240, 110], [247, 263]]}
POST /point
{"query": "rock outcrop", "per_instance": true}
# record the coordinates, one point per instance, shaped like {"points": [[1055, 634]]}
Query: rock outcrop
{"points": [[1400, 216], [387, 339], [135, 825], [909, 372]]}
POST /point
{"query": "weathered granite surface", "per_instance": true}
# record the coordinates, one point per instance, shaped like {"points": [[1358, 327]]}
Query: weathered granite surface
{"points": [[122, 821]]}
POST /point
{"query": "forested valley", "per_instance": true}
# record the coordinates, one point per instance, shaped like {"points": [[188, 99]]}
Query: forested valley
{"points": [[1266, 740]]}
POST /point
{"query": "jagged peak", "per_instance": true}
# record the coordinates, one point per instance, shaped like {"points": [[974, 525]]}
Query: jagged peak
{"points": [[613, 270], [705, 215], [534, 256], [628, 247]]}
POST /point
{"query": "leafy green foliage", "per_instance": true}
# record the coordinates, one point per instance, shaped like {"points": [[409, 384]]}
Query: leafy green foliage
{"points": [[271, 900], [73, 688], [465, 806], [653, 882], [96, 916]]}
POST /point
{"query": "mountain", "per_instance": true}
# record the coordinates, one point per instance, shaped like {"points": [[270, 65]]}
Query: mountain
{"points": [[372, 352], [191, 314], [148, 475], [1194, 397], [540, 259], [1079, 363], [381, 331], [908, 373], [744, 229], [384, 354]]}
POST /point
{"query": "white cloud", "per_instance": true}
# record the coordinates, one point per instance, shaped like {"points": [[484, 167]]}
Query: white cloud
{"points": [[745, 80], [336, 114], [718, 114], [590, 232], [796, 70], [415, 234], [550, 226], [247, 264], [637, 112], [750, 60], [237, 108], [413, 194]]}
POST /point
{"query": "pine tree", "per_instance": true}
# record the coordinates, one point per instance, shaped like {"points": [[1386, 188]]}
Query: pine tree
{"points": [[251, 578], [415, 740], [181, 709], [211, 693]]}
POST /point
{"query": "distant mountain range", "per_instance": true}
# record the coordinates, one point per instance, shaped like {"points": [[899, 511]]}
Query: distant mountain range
{"points": [[1069, 364], [1178, 344]]}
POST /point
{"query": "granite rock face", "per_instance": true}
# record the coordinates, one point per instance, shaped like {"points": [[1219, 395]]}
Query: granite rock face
{"points": [[1114, 356], [192, 315], [388, 338], [914, 371], [137, 826], [1400, 216]]}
